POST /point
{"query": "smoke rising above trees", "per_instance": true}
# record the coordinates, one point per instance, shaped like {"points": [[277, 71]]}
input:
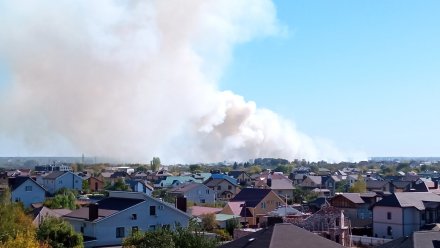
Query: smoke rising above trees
{"points": [[138, 79]]}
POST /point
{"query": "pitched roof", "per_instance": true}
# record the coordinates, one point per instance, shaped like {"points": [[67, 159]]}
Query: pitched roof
{"points": [[252, 196], [372, 184], [353, 197], [282, 235], [106, 207], [236, 173], [235, 207], [282, 184], [15, 182], [315, 179], [184, 188], [421, 239], [409, 199], [225, 177], [54, 175]]}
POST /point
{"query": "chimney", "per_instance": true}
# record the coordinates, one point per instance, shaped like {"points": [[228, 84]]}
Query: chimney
{"points": [[269, 180], [181, 203], [391, 187], [93, 212]]}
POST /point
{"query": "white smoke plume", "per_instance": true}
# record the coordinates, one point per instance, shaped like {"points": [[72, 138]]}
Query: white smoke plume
{"points": [[136, 79]]}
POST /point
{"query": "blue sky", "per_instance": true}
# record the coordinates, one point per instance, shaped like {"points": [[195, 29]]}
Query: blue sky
{"points": [[364, 74]]}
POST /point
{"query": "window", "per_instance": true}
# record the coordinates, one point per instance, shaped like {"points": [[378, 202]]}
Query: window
{"points": [[263, 205], [152, 227], [219, 187], [389, 215], [28, 188], [229, 187], [160, 207], [389, 231], [60, 181], [152, 210], [82, 229], [166, 227], [337, 221], [17, 199], [202, 201], [120, 232], [207, 191], [134, 216], [134, 229]]}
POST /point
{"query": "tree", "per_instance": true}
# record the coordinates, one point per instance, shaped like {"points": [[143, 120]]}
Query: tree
{"points": [[119, 185], [59, 233], [231, 225], [16, 228], [254, 169], [190, 237], [360, 186], [160, 238], [64, 199], [208, 222], [155, 164], [195, 168], [85, 186]]}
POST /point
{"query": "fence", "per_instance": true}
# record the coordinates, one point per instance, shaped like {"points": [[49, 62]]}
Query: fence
{"points": [[364, 240]]}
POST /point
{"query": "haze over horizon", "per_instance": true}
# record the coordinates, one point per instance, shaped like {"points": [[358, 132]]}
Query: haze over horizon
{"points": [[218, 80]]}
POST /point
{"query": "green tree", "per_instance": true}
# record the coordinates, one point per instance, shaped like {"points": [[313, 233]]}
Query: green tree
{"points": [[360, 186], [208, 222], [342, 186], [195, 168], [85, 186], [254, 169], [155, 164], [160, 238], [231, 225], [119, 185], [59, 233], [64, 199]]}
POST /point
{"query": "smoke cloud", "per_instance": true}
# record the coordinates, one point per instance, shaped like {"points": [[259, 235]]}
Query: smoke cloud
{"points": [[136, 79]]}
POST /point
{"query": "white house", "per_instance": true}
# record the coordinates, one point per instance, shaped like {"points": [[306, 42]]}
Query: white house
{"points": [[112, 219], [61, 179], [194, 192], [403, 213], [26, 190]]}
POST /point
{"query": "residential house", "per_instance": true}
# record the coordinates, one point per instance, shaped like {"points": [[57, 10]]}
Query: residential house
{"points": [[57, 180], [139, 186], [242, 177], [194, 192], [252, 204], [378, 186], [112, 219], [95, 184], [329, 182], [356, 207], [173, 181], [312, 182], [225, 187], [328, 222], [281, 235], [283, 187], [26, 191], [403, 213], [420, 239]]}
